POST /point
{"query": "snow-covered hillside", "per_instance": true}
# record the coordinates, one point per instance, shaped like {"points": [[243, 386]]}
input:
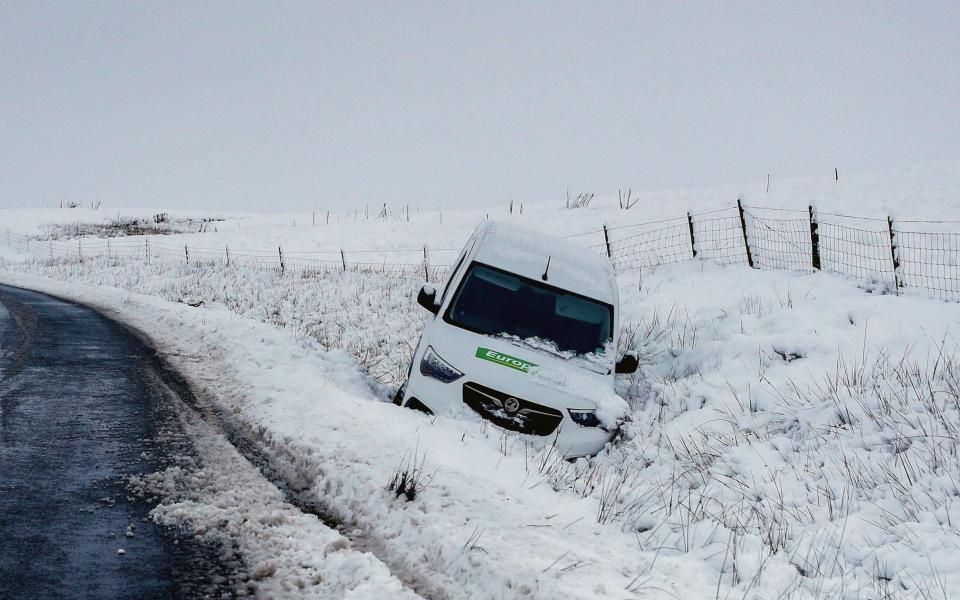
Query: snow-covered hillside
{"points": [[928, 193], [791, 435]]}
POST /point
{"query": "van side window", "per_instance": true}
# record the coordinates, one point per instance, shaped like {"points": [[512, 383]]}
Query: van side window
{"points": [[453, 273]]}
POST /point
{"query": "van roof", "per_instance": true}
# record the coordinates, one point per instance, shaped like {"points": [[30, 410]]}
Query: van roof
{"points": [[524, 251]]}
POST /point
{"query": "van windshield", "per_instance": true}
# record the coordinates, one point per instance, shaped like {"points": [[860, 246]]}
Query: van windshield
{"points": [[494, 302]]}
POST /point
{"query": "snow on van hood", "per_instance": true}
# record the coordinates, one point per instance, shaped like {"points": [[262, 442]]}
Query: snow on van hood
{"points": [[596, 362], [611, 408], [577, 378]]}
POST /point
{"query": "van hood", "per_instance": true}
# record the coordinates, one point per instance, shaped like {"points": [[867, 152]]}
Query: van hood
{"points": [[526, 372]]}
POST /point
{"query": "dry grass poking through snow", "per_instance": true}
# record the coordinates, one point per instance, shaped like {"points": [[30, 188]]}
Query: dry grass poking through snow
{"points": [[371, 317], [793, 469]]}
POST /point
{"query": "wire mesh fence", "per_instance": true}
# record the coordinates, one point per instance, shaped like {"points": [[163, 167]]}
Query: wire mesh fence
{"points": [[658, 244], [883, 256], [782, 244], [929, 261], [719, 238], [860, 252]]}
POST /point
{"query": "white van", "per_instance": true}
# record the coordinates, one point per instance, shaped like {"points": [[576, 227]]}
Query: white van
{"points": [[524, 333]]}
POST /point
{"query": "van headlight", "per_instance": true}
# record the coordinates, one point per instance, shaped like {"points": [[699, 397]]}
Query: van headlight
{"points": [[584, 418], [433, 366]]}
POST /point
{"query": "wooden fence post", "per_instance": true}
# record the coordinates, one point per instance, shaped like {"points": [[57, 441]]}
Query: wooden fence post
{"points": [[894, 256], [282, 267], [426, 269], [227, 249], [606, 241], [80, 249], [146, 249], [743, 228], [814, 238], [343, 260], [186, 253], [693, 239]]}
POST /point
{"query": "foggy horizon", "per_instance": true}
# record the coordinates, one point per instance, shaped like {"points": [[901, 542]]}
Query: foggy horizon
{"points": [[336, 106]]}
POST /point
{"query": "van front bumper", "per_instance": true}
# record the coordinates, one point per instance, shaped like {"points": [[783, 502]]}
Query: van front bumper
{"points": [[549, 422]]}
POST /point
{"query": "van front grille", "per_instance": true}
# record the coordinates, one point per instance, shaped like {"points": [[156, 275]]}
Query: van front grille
{"points": [[510, 412]]}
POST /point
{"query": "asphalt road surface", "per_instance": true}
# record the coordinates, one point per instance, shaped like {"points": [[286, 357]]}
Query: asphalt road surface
{"points": [[79, 413]]}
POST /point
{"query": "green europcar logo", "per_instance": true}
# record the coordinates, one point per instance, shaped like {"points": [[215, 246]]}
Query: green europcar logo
{"points": [[504, 359]]}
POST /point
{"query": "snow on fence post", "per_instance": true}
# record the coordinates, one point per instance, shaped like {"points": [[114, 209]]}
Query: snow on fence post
{"points": [[894, 256], [8, 238], [693, 239], [606, 241], [109, 253], [343, 260], [743, 228], [814, 239], [80, 249], [426, 268], [282, 267], [227, 251], [146, 249]]}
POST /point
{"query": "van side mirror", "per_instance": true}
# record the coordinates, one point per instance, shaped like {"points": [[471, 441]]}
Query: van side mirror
{"points": [[427, 298], [628, 363]]}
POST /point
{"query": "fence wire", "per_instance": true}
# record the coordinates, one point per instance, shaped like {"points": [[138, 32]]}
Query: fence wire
{"points": [[663, 245], [864, 254], [782, 244], [930, 261], [875, 251], [720, 239]]}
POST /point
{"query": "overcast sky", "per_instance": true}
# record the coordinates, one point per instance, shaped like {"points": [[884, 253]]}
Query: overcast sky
{"points": [[295, 106]]}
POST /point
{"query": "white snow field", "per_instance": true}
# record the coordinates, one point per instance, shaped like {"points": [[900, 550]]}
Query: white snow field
{"points": [[791, 435]]}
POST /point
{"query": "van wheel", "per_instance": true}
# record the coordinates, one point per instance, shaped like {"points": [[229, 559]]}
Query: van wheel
{"points": [[415, 404], [398, 395]]}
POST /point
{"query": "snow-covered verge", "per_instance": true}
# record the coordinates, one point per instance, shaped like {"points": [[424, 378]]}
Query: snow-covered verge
{"points": [[798, 427], [791, 436], [274, 549]]}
